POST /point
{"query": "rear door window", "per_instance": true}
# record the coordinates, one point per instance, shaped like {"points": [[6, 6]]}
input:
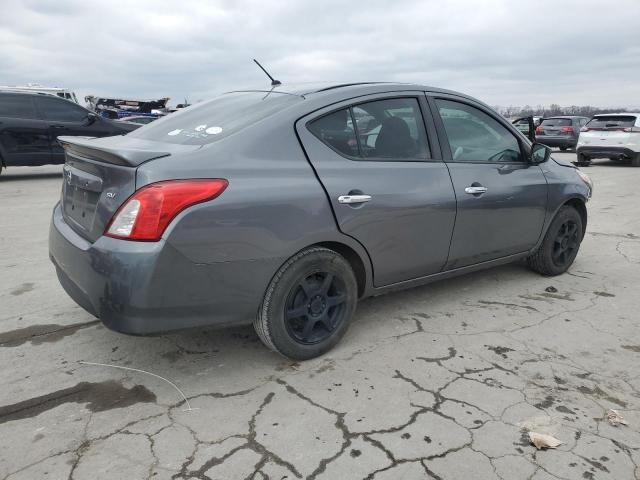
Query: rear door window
{"points": [[17, 106], [337, 131], [58, 110], [389, 130], [606, 122]]}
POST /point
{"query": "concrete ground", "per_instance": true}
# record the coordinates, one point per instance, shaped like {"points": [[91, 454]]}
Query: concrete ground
{"points": [[436, 382]]}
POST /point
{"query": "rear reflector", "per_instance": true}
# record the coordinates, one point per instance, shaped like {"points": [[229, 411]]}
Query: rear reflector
{"points": [[147, 213]]}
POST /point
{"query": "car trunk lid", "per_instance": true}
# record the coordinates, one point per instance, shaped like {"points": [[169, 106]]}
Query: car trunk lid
{"points": [[554, 127], [100, 174]]}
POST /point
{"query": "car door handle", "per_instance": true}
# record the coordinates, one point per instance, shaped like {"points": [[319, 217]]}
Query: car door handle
{"points": [[475, 190], [351, 199]]}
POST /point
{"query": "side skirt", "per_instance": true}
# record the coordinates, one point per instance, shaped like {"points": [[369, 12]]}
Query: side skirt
{"points": [[447, 274]]}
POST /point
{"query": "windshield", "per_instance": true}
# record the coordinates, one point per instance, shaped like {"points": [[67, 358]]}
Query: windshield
{"points": [[209, 121]]}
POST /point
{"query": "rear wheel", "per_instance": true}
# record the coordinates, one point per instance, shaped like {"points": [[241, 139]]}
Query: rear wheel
{"points": [[560, 245], [308, 305]]}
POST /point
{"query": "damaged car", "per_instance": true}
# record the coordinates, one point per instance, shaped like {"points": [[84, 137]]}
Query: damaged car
{"points": [[284, 207]]}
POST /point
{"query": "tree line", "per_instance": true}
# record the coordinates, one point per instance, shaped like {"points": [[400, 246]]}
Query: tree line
{"points": [[555, 109]]}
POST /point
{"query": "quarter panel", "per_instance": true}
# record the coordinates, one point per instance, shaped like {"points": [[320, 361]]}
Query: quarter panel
{"points": [[273, 207]]}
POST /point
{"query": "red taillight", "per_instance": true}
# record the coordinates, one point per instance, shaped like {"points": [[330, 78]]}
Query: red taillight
{"points": [[147, 213], [539, 130], [631, 129], [566, 129]]}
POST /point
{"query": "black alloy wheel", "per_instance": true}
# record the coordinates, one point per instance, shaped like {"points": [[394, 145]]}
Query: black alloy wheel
{"points": [[308, 305], [315, 307], [566, 243], [560, 245]]}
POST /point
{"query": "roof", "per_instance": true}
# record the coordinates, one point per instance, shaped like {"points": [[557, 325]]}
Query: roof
{"points": [[566, 116], [26, 92], [346, 90], [622, 114]]}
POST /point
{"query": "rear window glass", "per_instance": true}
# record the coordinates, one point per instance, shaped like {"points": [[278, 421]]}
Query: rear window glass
{"points": [[612, 121], [209, 121], [16, 106], [556, 122]]}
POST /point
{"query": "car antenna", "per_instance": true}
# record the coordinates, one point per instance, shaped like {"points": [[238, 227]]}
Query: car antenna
{"points": [[274, 82]]}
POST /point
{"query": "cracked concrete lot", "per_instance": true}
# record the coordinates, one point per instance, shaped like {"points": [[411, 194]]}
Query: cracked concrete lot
{"points": [[438, 382]]}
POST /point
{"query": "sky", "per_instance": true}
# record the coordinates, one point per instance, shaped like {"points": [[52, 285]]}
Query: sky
{"points": [[504, 52]]}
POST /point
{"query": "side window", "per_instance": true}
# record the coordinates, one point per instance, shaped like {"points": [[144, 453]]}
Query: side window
{"points": [[475, 136], [390, 129], [17, 106], [59, 110], [336, 130]]}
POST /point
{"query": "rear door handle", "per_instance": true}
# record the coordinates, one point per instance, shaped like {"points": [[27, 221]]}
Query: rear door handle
{"points": [[351, 199], [473, 190]]}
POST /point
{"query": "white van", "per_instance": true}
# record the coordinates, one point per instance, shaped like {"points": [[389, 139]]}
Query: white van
{"points": [[37, 88]]}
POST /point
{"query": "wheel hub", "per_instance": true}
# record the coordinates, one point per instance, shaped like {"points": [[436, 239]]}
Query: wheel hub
{"points": [[317, 305]]}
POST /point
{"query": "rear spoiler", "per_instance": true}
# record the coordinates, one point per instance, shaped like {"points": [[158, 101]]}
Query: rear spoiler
{"points": [[93, 149]]}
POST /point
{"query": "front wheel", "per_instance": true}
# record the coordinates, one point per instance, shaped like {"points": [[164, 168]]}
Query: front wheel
{"points": [[308, 305], [560, 245], [583, 160]]}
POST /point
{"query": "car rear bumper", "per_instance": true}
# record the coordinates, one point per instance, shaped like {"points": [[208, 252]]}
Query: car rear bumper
{"points": [[605, 152], [557, 141], [150, 287]]}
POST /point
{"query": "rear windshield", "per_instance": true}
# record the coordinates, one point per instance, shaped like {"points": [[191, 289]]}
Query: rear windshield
{"points": [[209, 121], [612, 121], [556, 122]]}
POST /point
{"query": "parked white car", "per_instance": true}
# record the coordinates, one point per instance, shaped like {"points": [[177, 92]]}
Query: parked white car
{"points": [[612, 135]]}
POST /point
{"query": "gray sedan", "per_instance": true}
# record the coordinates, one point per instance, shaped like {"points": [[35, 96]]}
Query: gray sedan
{"points": [[282, 208]]}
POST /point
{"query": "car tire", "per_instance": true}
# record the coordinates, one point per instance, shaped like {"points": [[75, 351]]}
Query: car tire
{"points": [[563, 149], [308, 305], [583, 160], [560, 245], [635, 161]]}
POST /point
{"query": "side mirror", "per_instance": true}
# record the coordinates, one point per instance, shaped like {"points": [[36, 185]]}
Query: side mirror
{"points": [[91, 118], [539, 153]]}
